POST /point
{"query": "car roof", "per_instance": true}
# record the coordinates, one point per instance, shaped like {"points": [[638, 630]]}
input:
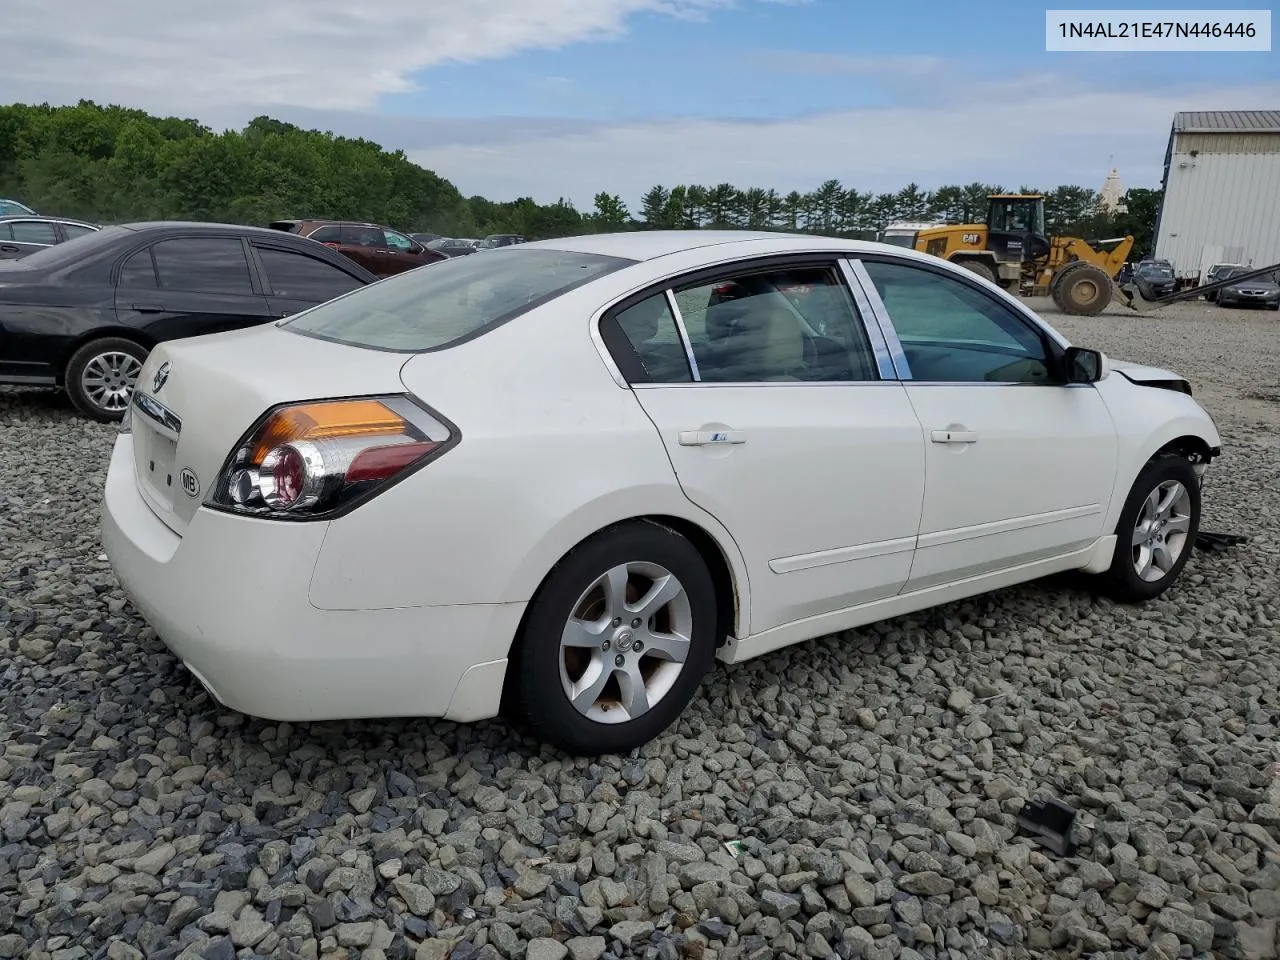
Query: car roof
{"points": [[643, 245], [200, 226], [44, 218]]}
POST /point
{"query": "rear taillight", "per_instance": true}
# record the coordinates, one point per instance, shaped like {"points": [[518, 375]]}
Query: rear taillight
{"points": [[315, 460]]}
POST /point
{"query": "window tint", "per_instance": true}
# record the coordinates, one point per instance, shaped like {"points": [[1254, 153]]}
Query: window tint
{"points": [[304, 278], [458, 297], [203, 264], [76, 230], [954, 333], [645, 344], [363, 236], [6, 232], [795, 324], [33, 231], [330, 234], [397, 241], [138, 271]]}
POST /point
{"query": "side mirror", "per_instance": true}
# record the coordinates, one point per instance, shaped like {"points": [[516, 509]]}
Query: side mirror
{"points": [[1085, 366]]}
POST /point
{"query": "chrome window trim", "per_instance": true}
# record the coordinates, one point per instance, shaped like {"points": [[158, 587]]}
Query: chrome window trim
{"points": [[880, 312], [871, 324], [683, 332]]}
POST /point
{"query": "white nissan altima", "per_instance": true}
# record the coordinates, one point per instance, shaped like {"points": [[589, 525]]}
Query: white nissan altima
{"points": [[567, 476]]}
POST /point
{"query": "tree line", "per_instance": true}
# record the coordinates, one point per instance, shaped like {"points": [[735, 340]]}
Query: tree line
{"points": [[115, 164]]}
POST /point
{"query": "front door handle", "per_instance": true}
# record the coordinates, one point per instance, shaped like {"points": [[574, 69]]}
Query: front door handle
{"points": [[9, 248], [147, 307], [702, 438], [954, 436]]}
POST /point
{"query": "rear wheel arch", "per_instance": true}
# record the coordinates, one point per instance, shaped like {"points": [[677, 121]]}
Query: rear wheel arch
{"points": [[730, 594]]}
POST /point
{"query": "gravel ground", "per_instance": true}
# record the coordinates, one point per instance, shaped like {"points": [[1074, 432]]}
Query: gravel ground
{"points": [[871, 779]]}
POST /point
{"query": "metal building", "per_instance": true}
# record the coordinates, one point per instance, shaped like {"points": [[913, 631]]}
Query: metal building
{"points": [[1221, 199]]}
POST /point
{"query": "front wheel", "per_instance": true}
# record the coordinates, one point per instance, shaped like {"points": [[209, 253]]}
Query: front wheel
{"points": [[616, 642], [1157, 530], [100, 377]]}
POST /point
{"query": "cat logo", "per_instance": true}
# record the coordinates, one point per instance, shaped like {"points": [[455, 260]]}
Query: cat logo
{"points": [[970, 238]]}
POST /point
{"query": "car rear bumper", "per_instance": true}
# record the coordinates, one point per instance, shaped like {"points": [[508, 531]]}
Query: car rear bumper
{"points": [[230, 600]]}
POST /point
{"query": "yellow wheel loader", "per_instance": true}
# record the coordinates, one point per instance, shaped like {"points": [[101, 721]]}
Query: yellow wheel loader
{"points": [[1013, 250]]}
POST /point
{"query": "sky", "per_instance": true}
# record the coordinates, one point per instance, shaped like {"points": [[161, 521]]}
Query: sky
{"points": [[566, 98]]}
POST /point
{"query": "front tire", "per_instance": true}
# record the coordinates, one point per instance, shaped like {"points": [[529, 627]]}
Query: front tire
{"points": [[1156, 531], [979, 268], [616, 641], [101, 375]]}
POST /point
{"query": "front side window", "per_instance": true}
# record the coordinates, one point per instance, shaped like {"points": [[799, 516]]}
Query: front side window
{"points": [[645, 342], [789, 324], [398, 241], [952, 332], [33, 231], [458, 298], [203, 265]]}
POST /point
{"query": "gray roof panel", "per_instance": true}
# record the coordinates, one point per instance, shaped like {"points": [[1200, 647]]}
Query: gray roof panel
{"points": [[1227, 121]]}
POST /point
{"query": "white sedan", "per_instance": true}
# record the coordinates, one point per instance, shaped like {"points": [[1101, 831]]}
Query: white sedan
{"points": [[567, 476]]}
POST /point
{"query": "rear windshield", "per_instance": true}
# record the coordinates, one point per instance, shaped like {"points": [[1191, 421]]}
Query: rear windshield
{"points": [[440, 304]]}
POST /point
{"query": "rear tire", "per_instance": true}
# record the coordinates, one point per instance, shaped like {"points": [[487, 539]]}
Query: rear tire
{"points": [[593, 672], [979, 268], [1085, 290], [1156, 531], [100, 377]]}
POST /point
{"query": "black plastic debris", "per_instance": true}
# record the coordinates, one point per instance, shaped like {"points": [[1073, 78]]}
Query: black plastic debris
{"points": [[1217, 542], [1050, 822]]}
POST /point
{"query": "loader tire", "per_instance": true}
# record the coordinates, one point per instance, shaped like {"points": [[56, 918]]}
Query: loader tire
{"points": [[1055, 285], [979, 268], [1084, 290]]}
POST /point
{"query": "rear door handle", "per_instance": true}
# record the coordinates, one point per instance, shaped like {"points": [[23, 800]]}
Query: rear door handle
{"points": [[954, 436], [702, 438], [9, 248], [147, 307]]}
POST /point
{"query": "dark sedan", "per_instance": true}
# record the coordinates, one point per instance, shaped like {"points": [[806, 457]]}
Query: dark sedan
{"points": [[82, 315], [1154, 279], [1261, 291]]}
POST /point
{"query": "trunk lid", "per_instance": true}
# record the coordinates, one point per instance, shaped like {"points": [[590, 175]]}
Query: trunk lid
{"points": [[186, 423]]}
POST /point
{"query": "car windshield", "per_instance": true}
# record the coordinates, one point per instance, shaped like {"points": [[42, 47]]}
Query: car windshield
{"points": [[436, 306], [78, 247], [1155, 270]]}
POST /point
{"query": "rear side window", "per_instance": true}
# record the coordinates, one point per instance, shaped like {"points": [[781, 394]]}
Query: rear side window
{"points": [[453, 300], [138, 271], [33, 231], [6, 232], [645, 343], [304, 278], [203, 265], [354, 236], [74, 230], [331, 234]]}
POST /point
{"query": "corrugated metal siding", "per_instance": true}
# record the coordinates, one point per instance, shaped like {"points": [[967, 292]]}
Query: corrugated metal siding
{"points": [[1205, 120], [1220, 200], [1227, 142]]}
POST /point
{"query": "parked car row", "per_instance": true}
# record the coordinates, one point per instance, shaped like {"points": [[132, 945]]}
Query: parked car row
{"points": [[380, 250]]}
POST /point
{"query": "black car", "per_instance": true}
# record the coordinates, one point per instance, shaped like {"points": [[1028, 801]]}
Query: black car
{"points": [[1154, 279], [452, 246], [1262, 291], [22, 235], [82, 315]]}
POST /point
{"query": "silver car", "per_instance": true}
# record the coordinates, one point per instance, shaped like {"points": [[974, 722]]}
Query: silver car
{"points": [[21, 235]]}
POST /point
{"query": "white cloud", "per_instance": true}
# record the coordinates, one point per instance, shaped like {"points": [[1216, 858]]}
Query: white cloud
{"points": [[190, 58], [1038, 130]]}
